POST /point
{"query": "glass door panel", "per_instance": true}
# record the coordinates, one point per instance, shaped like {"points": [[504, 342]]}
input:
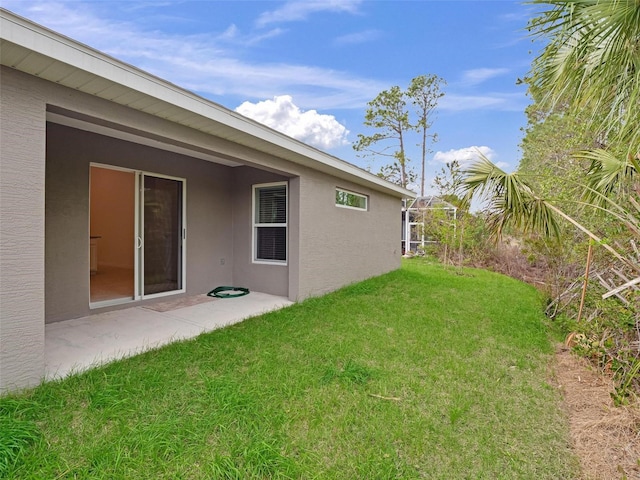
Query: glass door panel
{"points": [[162, 226], [112, 227]]}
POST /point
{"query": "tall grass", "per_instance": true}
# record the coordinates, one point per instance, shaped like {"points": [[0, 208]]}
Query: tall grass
{"points": [[420, 373]]}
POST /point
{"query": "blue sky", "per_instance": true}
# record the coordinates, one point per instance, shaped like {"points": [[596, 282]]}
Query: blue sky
{"points": [[308, 68]]}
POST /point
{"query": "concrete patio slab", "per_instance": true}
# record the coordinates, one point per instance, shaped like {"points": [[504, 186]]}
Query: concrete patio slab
{"points": [[82, 343]]}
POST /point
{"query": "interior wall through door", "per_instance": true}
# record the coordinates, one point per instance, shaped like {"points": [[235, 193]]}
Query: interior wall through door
{"points": [[111, 235]]}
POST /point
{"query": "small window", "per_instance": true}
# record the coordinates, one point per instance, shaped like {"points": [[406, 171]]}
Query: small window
{"points": [[347, 199], [270, 223]]}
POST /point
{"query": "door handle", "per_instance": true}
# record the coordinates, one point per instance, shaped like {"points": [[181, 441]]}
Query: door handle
{"points": [[138, 242]]}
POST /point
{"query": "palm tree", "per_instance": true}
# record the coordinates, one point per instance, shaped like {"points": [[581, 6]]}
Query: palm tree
{"points": [[593, 61], [592, 64]]}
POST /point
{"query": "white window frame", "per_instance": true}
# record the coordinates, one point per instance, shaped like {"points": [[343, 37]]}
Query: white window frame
{"points": [[256, 226], [349, 192]]}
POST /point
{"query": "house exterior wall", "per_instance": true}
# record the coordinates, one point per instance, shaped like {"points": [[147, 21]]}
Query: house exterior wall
{"points": [[272, 279], [66, 289], [329, 246], [22, 185], [339, 246]]}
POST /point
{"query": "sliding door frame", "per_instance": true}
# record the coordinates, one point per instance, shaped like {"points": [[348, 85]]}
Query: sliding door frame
{"points": [[138, 238]]}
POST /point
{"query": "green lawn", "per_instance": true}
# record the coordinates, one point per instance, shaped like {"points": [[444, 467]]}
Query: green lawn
{"points": [[421, 373]]}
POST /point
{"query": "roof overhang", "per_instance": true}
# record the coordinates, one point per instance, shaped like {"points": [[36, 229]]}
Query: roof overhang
{"points": [[38, 51]]}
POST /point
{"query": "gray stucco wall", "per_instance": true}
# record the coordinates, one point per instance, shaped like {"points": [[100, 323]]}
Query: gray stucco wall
{"points": [[339, 246], [329, 246], [272, 279], [22, 160]]}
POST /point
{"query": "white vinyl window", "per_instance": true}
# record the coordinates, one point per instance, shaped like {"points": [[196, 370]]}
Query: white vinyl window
{"points": [[270, 207], [347, 199]]}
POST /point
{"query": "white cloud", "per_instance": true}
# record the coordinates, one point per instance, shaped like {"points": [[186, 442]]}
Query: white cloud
{"points": [[321, 131], [479, 75], [293, 11], [511, 102], [358, 37], [233, 36], [464, 155]]}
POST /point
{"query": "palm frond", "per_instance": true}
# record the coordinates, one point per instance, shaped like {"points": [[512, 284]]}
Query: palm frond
{"points": [[512, 202], [607, 174], [541, 219]]}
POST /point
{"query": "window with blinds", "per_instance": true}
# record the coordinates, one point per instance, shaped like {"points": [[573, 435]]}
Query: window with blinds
{"points": [[270, 222]]}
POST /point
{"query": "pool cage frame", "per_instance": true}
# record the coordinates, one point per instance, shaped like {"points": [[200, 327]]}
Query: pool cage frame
{"points": [[414, 213]]}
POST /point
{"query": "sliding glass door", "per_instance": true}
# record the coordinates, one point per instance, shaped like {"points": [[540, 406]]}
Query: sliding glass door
{"points": [[163, 234], [137, 235]]}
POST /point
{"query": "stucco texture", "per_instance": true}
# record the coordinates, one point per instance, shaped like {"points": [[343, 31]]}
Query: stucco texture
{"points": [[22, 185]]}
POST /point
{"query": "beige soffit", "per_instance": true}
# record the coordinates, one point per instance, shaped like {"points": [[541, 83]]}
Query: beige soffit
{"points": [[36, 50]]}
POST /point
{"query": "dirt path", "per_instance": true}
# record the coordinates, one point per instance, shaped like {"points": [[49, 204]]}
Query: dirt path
{"points": [[606, 438]]}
